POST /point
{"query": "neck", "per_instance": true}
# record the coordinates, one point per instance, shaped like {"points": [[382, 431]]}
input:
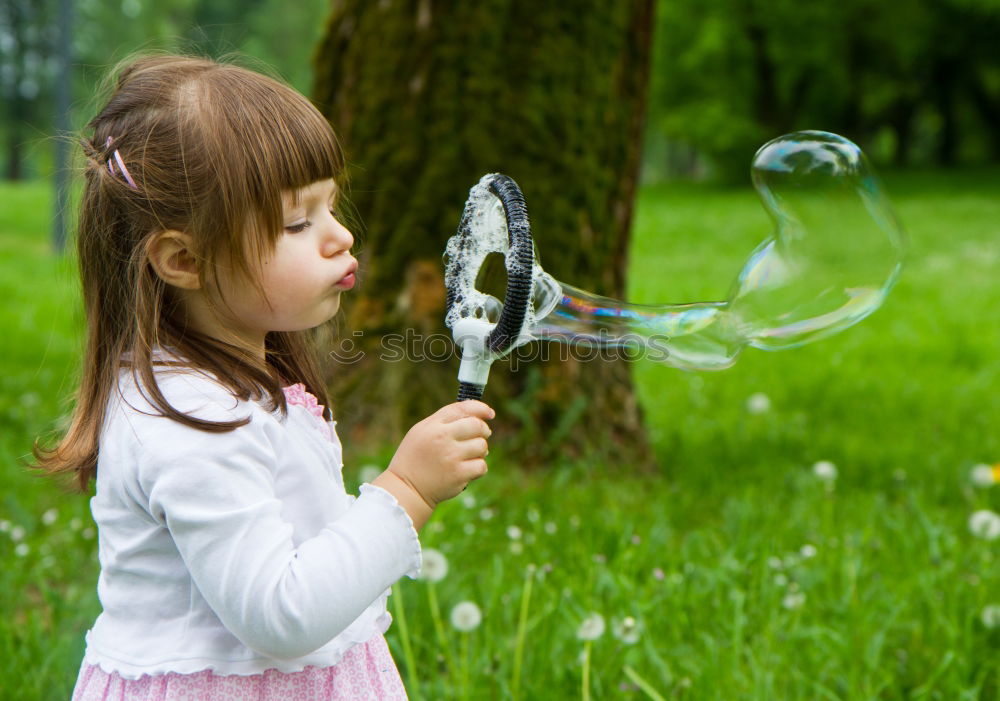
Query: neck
{"points": [[205, 318]]}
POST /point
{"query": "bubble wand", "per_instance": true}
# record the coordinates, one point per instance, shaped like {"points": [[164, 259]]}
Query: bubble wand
{"points": [[835, 252]]}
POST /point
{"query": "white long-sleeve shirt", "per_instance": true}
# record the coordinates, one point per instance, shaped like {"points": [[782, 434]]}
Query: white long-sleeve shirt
{"points": [[240, 551]]}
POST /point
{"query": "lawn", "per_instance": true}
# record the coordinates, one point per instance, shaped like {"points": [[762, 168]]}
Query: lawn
{"points": [[739, 571]]}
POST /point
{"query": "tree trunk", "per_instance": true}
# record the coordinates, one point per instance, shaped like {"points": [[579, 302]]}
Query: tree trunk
{"points": [[901, 120], [16, 105], [945, 76], [427, 97], [989, 111]]}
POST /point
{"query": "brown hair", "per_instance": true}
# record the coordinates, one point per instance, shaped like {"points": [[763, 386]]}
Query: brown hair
{"points": [[210, 147]]}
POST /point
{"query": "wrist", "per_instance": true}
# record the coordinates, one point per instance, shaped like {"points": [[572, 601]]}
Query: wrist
{"points": [[407, 495]]}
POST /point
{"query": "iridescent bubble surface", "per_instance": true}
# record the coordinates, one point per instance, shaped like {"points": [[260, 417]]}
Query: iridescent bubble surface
{"points": [[834, 254]]}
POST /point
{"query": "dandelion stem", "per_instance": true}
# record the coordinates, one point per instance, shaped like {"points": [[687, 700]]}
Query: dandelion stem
{"points": [[586, 669], [404, 636], [522, 625], [643, 684], [465, 666], [439, 629]]}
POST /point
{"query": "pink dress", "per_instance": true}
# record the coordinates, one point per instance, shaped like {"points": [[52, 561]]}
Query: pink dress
{"points": [[366, 671]]}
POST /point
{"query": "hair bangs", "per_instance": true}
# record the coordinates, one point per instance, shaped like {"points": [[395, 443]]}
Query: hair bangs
{"points": [[274, 141]]}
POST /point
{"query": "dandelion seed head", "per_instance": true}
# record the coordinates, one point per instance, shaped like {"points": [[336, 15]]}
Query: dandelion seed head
{"points": [[533, 515], [513, 532], [990, 616], [75, 524], [17, 534], [486, 513], [551, 527], [758, 403], [469, 501], [49, 517], [775, 562], [368, 473], [591, 628], [434, 567], [807, 551], [4, 525], [659, 574], [627, 630], [825, 470], [88, 533], [466, 616], [985, 524], [516, 547], [22, 549], [469, 528], [983, 476], [793, 600], [780, 580]]}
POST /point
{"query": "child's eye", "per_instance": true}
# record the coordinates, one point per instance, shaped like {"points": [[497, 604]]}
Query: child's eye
{"points": [[298, 228]]}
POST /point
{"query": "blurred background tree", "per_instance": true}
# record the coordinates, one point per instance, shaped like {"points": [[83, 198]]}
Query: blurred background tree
{"points": [[915, 82], [279, 35]]}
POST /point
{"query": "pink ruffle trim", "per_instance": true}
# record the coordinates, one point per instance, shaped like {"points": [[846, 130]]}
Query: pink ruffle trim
{"points": [[298, 395]]}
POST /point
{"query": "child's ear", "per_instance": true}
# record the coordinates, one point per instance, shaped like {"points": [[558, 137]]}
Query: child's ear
{"points": [[172, 255]]}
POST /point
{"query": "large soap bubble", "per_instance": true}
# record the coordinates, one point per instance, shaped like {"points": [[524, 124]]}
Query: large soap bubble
{"points": [[834, 254]]}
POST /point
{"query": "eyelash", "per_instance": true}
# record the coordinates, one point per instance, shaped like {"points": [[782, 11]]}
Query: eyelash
{"points": [[299, 228]]}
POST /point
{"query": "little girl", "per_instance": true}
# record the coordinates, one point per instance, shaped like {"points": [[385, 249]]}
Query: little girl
{"points": [[234, 565]]}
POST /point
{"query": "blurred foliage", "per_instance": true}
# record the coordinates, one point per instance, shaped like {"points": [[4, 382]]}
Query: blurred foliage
{"points": [[277, 35], [912, 81]]}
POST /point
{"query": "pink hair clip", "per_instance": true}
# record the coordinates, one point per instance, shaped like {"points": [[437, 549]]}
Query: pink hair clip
{"points": [[121, 166]]}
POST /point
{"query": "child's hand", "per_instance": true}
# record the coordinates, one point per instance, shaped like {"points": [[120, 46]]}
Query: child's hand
{"points": [[439, 456]]}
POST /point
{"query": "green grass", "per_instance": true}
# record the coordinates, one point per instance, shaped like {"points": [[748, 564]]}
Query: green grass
{"points": [[707, 556]]}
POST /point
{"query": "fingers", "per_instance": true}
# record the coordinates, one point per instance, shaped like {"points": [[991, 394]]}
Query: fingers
{"points": [[469, 407], [470, 427], [475, 469], [473, 448]]}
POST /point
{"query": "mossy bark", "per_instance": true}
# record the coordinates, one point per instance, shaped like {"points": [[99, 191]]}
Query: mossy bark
{"points": [[426, 97]]}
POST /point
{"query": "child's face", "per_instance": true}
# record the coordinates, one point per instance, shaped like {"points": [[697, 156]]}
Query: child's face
{"points": [[304, 276]]}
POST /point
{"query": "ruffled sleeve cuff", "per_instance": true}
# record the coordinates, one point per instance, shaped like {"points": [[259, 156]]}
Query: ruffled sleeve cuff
{"points": [[378, 498]]}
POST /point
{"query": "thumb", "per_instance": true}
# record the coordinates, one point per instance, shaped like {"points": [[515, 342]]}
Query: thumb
{"points": [[469, 407]]}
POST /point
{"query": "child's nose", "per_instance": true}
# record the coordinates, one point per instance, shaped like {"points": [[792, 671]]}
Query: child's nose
{"points": [[338, 239]]}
